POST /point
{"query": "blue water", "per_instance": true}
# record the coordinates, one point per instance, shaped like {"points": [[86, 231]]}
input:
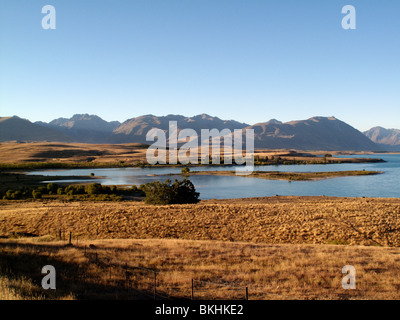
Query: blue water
{"points": [[221, 187]]}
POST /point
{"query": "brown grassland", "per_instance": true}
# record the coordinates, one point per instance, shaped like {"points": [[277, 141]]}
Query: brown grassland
{"points": [[278, 247]]}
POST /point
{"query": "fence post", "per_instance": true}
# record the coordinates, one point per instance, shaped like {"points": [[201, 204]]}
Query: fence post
{"points": [[155, 285], [247, 293], [126, 275], [59, 233], [70, 237], [192, 296]]}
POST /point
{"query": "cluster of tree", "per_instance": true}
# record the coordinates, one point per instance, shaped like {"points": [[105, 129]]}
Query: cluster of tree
{"points": [[169, 192], [66, 165], [94, 189], [277, 160]]}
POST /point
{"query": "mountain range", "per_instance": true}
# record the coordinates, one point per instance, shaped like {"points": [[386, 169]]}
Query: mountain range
{"points": [[317, 133]]}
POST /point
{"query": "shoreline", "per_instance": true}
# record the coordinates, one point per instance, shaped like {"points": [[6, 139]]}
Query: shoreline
{"points": [[282, 175]]}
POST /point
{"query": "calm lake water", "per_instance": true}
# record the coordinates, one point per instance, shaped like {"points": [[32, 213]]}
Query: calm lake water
{"points": [[221, 187]]}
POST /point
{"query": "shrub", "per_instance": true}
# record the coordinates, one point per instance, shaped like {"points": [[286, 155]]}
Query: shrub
{"points": [[185, 192], [36, 194], [52, 187], [74, 189], [94, 188], [42, 190], [185, 170], [9, 194], [17, 194], [168, 193]]}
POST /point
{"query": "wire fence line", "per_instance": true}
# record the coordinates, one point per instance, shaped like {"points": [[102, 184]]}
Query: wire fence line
{"points": [[145, 279]]}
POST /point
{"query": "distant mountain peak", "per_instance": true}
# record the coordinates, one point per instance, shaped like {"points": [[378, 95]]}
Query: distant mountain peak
{"points": [[320, 118], [274, 121], [85, 116], [380, 135]]}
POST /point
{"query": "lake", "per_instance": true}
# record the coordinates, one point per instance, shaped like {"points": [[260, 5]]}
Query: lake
{"points": [[221, 187]]}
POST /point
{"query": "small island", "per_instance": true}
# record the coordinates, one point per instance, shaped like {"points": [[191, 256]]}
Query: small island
{"points": [[291, 176]]}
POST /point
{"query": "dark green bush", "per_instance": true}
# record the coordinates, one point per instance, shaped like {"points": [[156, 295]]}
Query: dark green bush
{"points": [[170, 193], [52, 187], [94, 188], [36, 194], [185, 170]]}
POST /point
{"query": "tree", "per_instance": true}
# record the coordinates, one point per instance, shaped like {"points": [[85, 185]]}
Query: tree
{"points": [[184, 192], [94, 188], [170, 193], [185, 170], [36, 194], [52, 187]]}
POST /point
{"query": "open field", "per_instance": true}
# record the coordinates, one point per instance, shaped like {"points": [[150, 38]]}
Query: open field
{"points": [[278, 247], [297, 220], [221, 270]]}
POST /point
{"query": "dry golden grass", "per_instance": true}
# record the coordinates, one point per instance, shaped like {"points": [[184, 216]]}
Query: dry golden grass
{"points": [[13, 152], [297, 220], [278, 247], [7, 292], [270, 271]]}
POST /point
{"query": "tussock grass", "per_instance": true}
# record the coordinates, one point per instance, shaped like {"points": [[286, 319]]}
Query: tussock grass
{"points": [[278, 247], [296, 220], [270, 271]]}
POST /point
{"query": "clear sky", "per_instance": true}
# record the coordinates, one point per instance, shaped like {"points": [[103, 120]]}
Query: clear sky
{"points": [[248, 60]]}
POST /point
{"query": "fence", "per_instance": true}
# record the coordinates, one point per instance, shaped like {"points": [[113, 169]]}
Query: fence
{"points": [[101, 274], [144, 280], [140, 279]]}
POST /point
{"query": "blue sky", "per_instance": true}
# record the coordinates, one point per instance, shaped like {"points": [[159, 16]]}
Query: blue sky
{"points": [[245, 60]]}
